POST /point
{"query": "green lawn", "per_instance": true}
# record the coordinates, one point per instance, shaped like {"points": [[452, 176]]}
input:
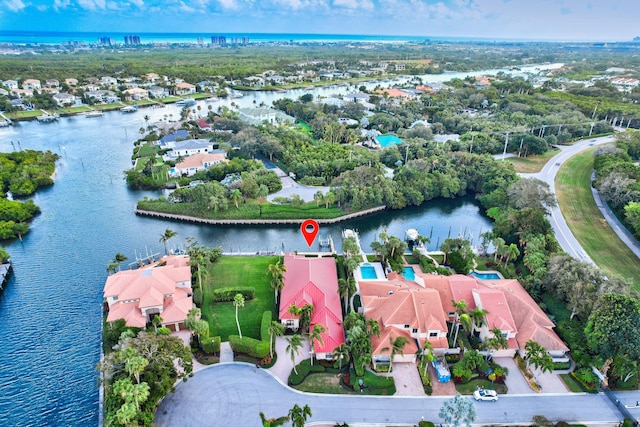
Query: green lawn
{"points": [[576, 202], [232, 271], [322, 383], [471, 386], [23, 114], [531, 164]]}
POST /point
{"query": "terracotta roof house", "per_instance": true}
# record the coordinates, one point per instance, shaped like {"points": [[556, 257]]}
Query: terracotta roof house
{"points": [[420, 309], [313, 281], [198, 162], [185, 88], [135, 94], [163, 289]]}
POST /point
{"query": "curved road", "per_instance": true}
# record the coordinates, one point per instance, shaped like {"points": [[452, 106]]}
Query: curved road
{"points": [[233, 394], [548, 174]]}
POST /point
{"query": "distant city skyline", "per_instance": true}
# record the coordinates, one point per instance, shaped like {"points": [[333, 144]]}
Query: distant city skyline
{"points": [[561, 20]]}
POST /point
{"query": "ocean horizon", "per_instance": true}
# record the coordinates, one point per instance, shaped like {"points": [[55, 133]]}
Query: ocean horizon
{"points": [[60, 37]]}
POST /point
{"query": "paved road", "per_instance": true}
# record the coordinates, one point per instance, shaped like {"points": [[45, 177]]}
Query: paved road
{"points": [[234, 394], [548, 174]]}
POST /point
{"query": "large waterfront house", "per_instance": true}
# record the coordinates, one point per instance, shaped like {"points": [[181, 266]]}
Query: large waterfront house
{"points": [[256, 116], [162, 288], [135, 94], [186, 148], [420, 307], [313, 281], [196, 163]]}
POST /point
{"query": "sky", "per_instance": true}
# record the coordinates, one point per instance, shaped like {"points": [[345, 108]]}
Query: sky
{"points": [[561, 20]]}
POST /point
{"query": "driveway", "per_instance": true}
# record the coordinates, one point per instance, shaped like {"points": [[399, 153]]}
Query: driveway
{"points": [[515, 381], [283, 366], [407, 379], [233, 394]]}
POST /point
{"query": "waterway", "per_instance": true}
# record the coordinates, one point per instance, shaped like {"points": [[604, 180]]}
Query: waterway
{"points": [[50, 311]]}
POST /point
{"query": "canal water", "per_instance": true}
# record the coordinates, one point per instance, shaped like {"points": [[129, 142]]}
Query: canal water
{"points": [[50, 311]]}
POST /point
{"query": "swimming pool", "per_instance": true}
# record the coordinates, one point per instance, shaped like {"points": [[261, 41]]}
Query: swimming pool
{"points": [[385, 140], [368, 272], [486, 276], [408, 273]]}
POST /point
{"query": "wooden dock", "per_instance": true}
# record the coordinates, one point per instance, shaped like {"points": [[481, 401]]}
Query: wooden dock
{"points": [[188, 218]]}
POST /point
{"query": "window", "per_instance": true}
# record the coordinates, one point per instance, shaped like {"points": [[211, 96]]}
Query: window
{"points": [[290, 323], [406, 326], [433, 334], [414, 331], [504, 334]]}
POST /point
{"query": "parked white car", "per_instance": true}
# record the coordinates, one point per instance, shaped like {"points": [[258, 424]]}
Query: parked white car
{"points": [[483, 394]]}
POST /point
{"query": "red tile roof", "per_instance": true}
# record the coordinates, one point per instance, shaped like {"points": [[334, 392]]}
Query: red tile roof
{"points": [[314, 281]]}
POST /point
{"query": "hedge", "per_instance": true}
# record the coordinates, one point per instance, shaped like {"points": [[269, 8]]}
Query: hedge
{"points": [[252, 347], [211, 345], [304, 369], [228, 294], [264, 326]]}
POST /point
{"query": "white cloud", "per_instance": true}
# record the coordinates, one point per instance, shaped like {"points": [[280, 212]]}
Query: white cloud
{"points": [[186, 8], [355, 4], [42, 8], [138, 3], [61, 4], [228, 4], [14, 5], [92, 4]]}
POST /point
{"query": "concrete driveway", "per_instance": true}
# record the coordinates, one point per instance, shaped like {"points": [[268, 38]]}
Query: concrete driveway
{"points": [[515, 381], [407, 379], [283, 366]]}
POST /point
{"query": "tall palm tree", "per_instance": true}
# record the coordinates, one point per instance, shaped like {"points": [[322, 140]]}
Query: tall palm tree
{"points": [[460, 307], [498, 243], [276, 329], [343, 291], [293, 348], [315, 336], [119, 259], [277, 271], [464, 320], [238, 301], [341, 353], [538, 357], [478, 315], [496, 341], [156, 321], [396, 347], [511, 254], [236, 197], [373, 327], [164, 238], [299, 415]]}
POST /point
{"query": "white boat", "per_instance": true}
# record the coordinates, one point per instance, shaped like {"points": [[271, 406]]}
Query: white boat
{"points": [[93, 113], [5, 123], [129, 109], [186, 102], [47, 118]]}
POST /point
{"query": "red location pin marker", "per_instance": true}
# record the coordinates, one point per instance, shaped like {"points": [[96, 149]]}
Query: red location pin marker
{"points": [[309, 229]]}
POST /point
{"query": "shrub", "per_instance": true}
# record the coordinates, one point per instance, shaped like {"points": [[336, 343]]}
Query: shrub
{"points": [[227, 294], [304, 368], [425, 424], [264, 326], [252, 347], [211, 345], [164, 331]]}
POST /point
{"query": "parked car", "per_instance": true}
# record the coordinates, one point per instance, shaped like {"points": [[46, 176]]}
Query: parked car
{"points": [[482, 394]]}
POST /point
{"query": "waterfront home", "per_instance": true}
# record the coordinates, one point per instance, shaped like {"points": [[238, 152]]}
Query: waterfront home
{"points": [[185, 148], [66, 100], [108, 81], [52, 83], [71, 82], [256, 116], [418, 306], [158, 92], [253, 81], [184, 88], [196, 163], [104, 96], [10, 84], [313, 281], [159, 289], [135, 94], [22, 93]]}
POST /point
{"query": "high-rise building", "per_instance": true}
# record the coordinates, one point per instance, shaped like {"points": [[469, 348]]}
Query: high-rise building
{"points": [[105, 41], [131, 40]]}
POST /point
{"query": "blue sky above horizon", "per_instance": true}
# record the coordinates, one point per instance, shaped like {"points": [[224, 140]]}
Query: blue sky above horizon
{"points": [[501, 19]]}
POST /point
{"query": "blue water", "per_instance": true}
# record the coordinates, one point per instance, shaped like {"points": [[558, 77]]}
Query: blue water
{"points": [[385, 140], [485, 276], [50, 311], [368, 272], [408, 273]]}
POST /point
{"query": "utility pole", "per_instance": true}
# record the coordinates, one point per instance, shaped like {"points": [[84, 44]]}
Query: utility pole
{"points": [[520, 149], [591, 130], [506, 141]]}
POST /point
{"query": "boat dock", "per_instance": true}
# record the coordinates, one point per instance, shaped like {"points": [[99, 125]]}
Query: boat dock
{"points": [[5, 271], [188, 218]]}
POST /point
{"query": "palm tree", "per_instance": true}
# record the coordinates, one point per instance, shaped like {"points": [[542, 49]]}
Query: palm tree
{"points": [[427, 355], [299, 415], [238, 301], [134, 366], [460, 307], [315, 336], [276, 329], [156, 321], [277, 271], [497, 341], [478, 316], [465, 321], [293, 348], [164, 238], [236, 197], [397, 347], [201, 330], [512, 253], [498, 243], [373, 327], [318, 197], [341, 353], [119, 259], [329, 199], [271, 422], [538, 357]]}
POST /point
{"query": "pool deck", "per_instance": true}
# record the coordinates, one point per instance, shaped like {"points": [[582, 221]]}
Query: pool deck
{"points": [[477, 273]]}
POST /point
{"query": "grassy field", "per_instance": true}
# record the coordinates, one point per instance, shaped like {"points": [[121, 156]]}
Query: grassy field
{"points": [[573, 189], [231, 271], [531, 164]]}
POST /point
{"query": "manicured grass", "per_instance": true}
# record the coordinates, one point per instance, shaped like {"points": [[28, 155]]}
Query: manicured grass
{"points": [[573, 188], [147, 149], [231, 271], [322, 383], [531, 164], [573, 385], [244, 211], [17, 115]]}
